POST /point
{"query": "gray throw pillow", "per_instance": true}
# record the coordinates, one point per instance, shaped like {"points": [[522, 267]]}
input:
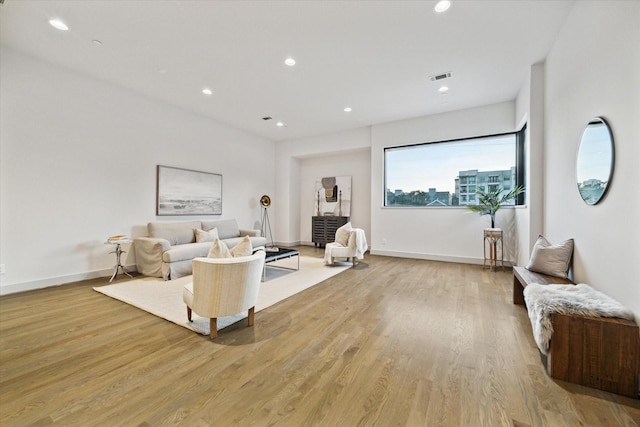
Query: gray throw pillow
{"points": [[551, 259]]}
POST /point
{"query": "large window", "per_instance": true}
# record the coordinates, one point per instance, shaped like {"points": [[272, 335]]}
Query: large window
{"points": [[445, 173]]}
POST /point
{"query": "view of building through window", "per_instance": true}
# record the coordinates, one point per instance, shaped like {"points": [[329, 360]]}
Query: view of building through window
{"points": [[449, 173]]}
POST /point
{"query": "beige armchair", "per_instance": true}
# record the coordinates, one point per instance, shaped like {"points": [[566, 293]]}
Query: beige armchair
{"points": [[224, 287], [356, 246]]}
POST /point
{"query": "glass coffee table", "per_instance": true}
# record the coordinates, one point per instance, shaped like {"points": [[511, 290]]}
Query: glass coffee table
{"points": [[275, 255]]}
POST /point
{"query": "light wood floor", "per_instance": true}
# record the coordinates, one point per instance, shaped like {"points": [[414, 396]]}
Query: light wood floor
{"points": [[391, 342]]}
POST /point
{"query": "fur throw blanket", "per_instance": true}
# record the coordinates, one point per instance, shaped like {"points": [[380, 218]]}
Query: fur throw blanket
{"points": [[543, 300]]}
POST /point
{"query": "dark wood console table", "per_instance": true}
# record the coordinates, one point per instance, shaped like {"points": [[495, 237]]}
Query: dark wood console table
{"points": [[323, 228]]}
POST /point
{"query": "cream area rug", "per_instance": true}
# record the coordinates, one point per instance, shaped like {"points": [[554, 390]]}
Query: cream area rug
{"points": [[164, 299]]}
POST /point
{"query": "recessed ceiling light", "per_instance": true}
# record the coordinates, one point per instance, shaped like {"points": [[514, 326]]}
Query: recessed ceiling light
{"points": [[280, 124], [442, 6], [348, 109], [443, 89], [290, 62], [56, 23], [207, 91]]}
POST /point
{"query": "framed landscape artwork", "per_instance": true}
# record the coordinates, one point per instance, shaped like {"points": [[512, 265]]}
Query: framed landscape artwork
{"points": [[188, 192]]}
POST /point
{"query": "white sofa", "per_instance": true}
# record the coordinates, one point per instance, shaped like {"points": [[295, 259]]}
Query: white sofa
{"points": [[171, 246]]}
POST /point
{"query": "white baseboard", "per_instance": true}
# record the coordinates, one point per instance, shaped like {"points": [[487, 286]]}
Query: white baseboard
{"points": [[434, 257], [61, 280]]}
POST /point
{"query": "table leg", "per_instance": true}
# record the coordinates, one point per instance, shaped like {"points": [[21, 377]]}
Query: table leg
{"points": [[119, 265]]}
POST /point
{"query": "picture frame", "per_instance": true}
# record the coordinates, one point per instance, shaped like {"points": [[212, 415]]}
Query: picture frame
{"points": [[187, 192]]}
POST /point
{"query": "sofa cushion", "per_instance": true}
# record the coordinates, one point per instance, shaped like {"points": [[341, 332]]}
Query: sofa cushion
{"points": [[219, 250], [206, 236], [177, 233], [343, 233], [551, 259], [226, 228], [186, 252]]}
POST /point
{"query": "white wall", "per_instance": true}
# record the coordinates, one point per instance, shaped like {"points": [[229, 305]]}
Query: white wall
{"points": [[449, 234], [78, 163], [298, 164], [530, 111], [356, 164], [594, 70]]}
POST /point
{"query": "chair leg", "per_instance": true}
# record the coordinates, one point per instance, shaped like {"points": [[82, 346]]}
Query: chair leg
{"points": [[251, 315], [189, 314], [353, 261], [213, 328], [333, 260]]}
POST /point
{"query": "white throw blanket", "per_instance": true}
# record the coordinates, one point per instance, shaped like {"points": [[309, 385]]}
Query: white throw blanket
{"points": [[357, 241], [361, 243], [581, 299]]}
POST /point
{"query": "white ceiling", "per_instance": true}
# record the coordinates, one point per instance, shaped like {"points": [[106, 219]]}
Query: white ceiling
{"points": [[373, 56]]}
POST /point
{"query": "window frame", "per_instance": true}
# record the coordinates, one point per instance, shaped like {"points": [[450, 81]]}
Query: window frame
{"points": [[520, 167]]}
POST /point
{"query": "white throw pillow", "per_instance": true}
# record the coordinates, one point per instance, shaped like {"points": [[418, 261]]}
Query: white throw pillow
{"points": [[244, 248], [206, 236], [343, 233], [551, 259], [219, 249]]}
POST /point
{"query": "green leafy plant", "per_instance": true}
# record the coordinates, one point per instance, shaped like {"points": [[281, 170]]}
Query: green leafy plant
{"points": [[490, 202]]}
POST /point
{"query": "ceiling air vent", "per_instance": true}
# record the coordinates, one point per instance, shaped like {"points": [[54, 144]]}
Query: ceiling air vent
{"points": [[442, 76]]}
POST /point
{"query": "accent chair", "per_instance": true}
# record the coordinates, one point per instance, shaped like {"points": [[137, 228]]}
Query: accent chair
{"points": [[224, 287], [350, 243]]}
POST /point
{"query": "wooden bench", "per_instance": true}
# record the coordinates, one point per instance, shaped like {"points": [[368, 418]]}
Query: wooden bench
{"points": [[598, 352], [522, 277]]}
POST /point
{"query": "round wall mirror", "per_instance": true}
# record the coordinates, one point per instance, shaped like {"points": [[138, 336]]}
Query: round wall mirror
{"points": [[594, 167]]}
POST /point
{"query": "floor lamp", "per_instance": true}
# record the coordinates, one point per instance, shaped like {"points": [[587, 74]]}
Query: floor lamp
{"points": [[265, 202]]}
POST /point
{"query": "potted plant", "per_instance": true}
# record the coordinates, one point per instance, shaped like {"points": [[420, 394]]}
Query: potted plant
{"points": [[489, 202]]}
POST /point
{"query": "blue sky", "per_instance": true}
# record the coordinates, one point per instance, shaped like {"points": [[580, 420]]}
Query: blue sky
{"points": [[594, 154], [437, 164]]}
